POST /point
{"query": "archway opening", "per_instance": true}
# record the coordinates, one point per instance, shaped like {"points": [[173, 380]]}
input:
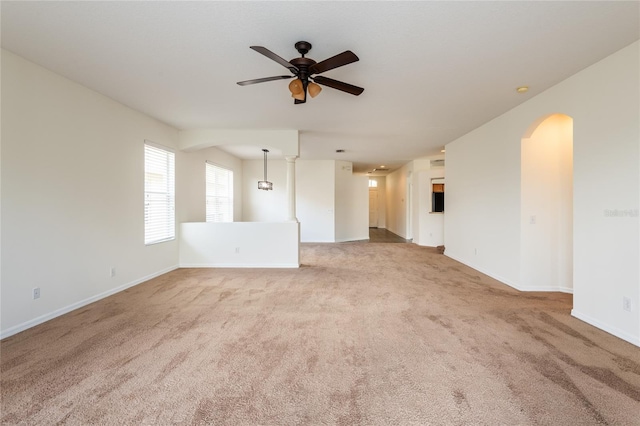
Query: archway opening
{"points": [[546, 205]]}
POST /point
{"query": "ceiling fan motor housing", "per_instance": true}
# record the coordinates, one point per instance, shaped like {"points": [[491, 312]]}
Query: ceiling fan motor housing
{"points": [[303, 65], [303, 47]]}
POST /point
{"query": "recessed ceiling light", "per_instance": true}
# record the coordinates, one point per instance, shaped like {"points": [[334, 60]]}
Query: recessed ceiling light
{"points": [[442, 150], [522, 89], [382, 167]]}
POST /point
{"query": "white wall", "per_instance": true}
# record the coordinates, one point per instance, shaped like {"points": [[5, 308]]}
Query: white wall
{"points": [[482, 228], [191, 183], [331, 203], [351, 204], [72, 195], [315, 200], [259, 205], [546, 207], [396, 194], [239, 245], [428, 227], [483, 190]]}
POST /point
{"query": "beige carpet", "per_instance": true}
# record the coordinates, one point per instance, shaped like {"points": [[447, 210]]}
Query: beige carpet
{"points": [[362, 334]]}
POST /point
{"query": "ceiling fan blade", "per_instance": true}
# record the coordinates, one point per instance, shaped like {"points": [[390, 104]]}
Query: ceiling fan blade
{"points": [[269, 54], [335, 84], [262, 80], [339, 60]]}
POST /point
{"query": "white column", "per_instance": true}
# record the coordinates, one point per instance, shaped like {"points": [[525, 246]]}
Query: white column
{"points": [[291, 187]]}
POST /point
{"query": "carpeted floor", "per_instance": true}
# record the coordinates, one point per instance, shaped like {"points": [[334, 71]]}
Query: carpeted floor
{"points": [[361, 334], [382, 235]]}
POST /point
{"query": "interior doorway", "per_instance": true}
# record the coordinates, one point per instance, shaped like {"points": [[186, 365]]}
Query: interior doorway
{"points": [[373, 207], [546, 205], [409, 225]]}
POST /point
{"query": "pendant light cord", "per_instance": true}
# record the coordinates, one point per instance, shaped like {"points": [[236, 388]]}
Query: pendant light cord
{"points": [[265, 163]]}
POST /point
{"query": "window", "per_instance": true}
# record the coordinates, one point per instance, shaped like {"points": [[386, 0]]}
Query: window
{"points": [[373, 183], [159, 194], [219, 194]]}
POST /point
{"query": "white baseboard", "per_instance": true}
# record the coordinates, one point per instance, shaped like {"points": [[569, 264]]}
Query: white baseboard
{"points": [[544, 289], [427, 245], [634, 340], [51, 315], [494, 276], [512, 284], [235, 265], [547, 289]]}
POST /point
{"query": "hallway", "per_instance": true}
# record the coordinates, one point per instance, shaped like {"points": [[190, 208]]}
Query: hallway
{"points": [[381, 235]]}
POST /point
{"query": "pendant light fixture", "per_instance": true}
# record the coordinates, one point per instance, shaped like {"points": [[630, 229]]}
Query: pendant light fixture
{"points": [[265, 184]]}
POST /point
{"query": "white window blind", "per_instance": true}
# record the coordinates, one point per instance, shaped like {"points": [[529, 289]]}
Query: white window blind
{"points": [[159, 195], [219, 194]]}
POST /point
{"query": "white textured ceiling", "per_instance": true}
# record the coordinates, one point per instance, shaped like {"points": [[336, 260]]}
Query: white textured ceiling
{"points": [[432, 71]]}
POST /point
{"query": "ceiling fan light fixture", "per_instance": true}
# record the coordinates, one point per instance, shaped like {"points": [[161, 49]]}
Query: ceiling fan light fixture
{"points": [[296, 87], [304, 69], [314, 89]]}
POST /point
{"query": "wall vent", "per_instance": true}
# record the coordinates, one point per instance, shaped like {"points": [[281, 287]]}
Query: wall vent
{"points": [[437, 163]]}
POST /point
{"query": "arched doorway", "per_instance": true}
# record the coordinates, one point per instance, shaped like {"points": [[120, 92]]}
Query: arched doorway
{"points": [[546, 205]]}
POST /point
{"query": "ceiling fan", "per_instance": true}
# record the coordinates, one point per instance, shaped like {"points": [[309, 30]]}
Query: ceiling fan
{"points": [[305, 69]]}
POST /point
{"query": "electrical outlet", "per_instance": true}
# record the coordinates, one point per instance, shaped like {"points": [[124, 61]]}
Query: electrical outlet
{"points": [[36, 293], [113, 272], [237, 250], [626, 304], [475, 251], [532, 220]]}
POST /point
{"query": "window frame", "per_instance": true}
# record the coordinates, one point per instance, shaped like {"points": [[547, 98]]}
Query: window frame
{"points": [[167, 219], [229, 196]]}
